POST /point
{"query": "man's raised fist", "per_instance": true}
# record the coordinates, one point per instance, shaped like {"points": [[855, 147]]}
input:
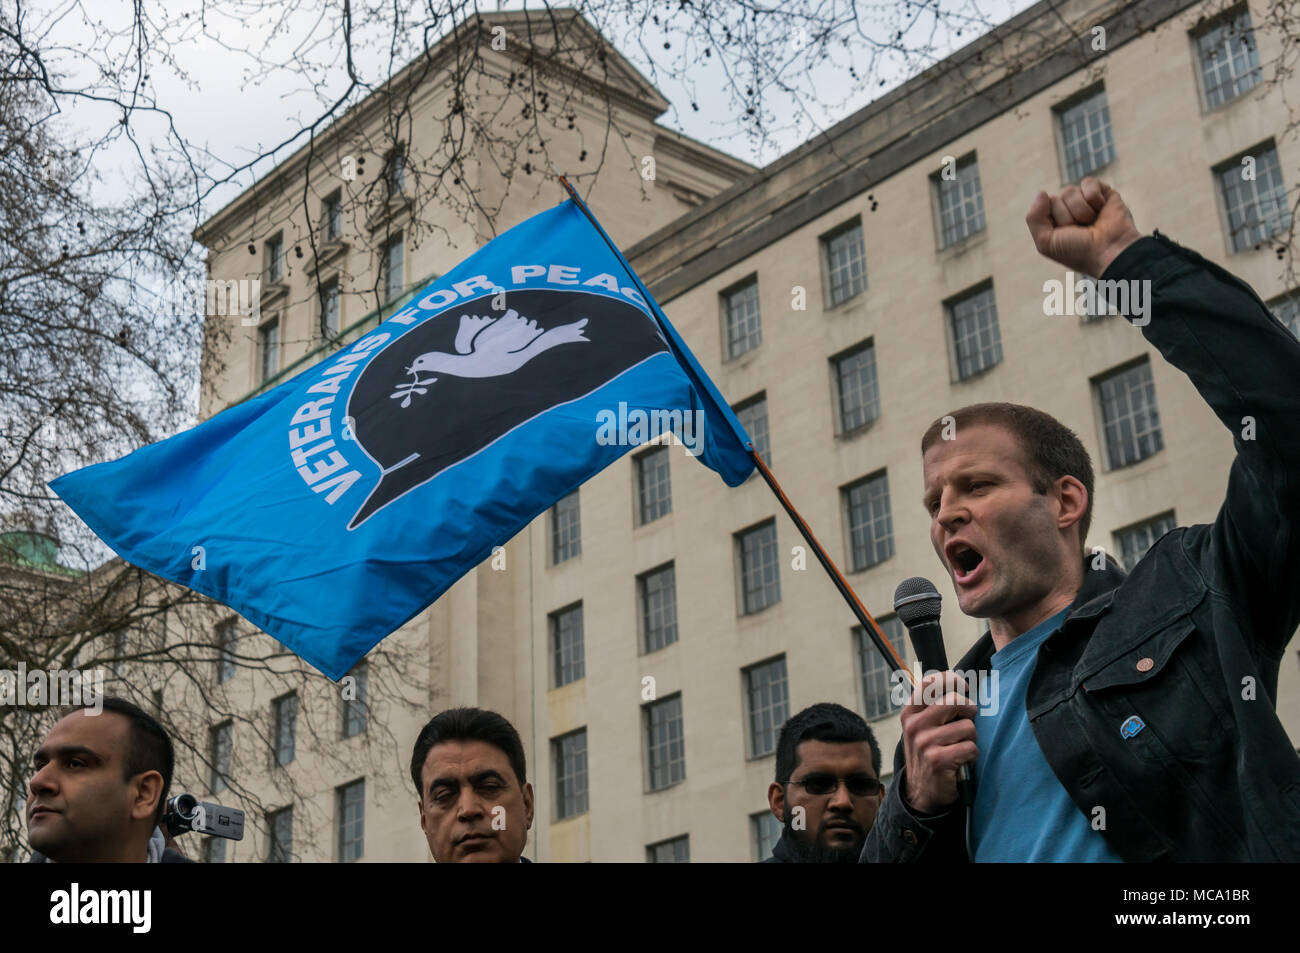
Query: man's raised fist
{"points": [[1084, 228]]}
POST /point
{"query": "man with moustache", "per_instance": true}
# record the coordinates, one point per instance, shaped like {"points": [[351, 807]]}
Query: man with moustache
{"points": [[100, 788], [476, 805], [1136, 714], [827, 786]]}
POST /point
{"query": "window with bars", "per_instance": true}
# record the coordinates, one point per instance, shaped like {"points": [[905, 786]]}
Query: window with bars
{"points": [[274, 258], [566, 529], [1086, 136], [351, 819], [845, 261], [871, 530], [961, 202], [268, 348], [1254, 197], [570, 753], [220, 749], [355, 714], [395, 173], [742, 327], [1228, 58], [856, 386], [1287, 310], [330, 307], [392, 269], [286, 718], [1129, 416], [1132, 542], [653, 484], [658, 590], [760, 578], [665, 747], [767, 695], [568, 664], [280, 842], [332, 217], [674, 851], [227, 643], [874, 673], [764, 832], [976, 340], [752, 415]]}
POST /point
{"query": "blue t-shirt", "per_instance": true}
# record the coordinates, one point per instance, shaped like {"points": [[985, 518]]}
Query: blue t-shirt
{"points": [[1022, 813]]}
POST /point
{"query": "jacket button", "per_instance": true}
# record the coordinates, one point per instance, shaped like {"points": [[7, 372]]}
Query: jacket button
{"points": [[909, 836], [1145, 664]]}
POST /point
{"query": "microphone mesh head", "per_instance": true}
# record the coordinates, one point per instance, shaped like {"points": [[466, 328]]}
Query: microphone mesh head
{"points": [[916, 600]]}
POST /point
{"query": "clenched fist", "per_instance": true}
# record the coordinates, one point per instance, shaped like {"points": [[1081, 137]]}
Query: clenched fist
{"points": [[1084, 228]]}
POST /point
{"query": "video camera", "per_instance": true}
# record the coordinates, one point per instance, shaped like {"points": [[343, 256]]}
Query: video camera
{"points": [[185, 812]]}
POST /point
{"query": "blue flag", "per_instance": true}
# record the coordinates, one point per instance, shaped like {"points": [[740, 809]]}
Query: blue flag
{"points": [[338, 505]]}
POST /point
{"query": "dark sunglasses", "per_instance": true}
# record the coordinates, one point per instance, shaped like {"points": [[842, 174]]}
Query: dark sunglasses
{"points": [[859, 785]]}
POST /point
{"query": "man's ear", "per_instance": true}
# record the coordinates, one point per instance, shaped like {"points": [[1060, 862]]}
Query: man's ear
{"points": [[776, 800], [147, 789], [1072, 497], [419, 805], [528, 806]]}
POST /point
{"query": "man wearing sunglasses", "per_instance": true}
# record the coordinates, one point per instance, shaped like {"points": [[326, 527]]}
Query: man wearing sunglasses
{"points": [[827, 788]]}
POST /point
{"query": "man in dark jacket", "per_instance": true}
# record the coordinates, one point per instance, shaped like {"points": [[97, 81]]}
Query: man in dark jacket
{"points": [[100, 788], [1136, 717], [827, 786]]}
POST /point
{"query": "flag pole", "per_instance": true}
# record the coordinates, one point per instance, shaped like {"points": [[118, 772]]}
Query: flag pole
{"points": [[868, 623]]}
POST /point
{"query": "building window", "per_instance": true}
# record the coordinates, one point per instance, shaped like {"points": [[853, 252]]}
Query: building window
{"points": [[274, 259], [332, 217], [1287, 310], [845, 262], [221, 745], [395, 173], [286, 717], [675, 851], [227, 643], [768, 697], [875, 673], [268, 347], [1229, 60], [871, 531], [744, 330], [658, 608], [392, 269], [1086, 135], [351, 820], [976, 341], [566, 529], [961, 202], [760, 579], [1129, 415], [354, 701], [570, 754], [330, 308], [764, 832], [1254, 197], [856, 386], [665, 749], [1134, 541], [280, 843], [654, 484], [752, 415], [214, 850], [566, 646]]}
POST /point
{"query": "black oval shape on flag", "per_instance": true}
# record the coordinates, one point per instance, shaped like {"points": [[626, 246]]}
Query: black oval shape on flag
{"points": [[460, 380]]}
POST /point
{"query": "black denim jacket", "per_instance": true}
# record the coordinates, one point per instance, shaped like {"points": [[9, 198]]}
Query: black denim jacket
{"points": [[1192, 639]]}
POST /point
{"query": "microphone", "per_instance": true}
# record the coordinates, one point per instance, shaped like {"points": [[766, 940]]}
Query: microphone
{"points": [[917, 603]]}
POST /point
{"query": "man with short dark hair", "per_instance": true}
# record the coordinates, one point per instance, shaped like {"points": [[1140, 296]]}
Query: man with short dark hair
{"points": [[476, 805], [827, 786], [100, 788], [1135, 717]]}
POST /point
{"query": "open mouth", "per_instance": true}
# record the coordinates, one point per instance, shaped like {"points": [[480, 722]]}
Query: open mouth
{"points": [[965, 560]]}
